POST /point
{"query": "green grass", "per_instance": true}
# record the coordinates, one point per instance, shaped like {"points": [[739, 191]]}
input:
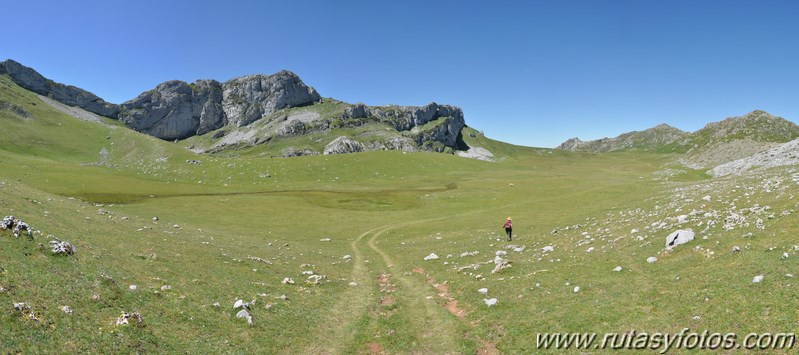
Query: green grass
{"points": [[244, 223]]}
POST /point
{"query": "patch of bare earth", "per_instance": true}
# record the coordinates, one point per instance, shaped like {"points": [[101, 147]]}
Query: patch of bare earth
{"points": [[487, 348], [375, 348], [443, 291], [386, 288]]}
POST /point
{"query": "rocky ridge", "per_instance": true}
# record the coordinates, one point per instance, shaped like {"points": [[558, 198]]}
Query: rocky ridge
{"points": [[31, 80], [176, 110]]}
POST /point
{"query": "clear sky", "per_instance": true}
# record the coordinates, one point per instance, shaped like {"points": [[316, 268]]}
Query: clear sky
{"points": [[526, 72]]}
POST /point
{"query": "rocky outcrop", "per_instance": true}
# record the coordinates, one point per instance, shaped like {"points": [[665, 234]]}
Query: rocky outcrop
{"points": [[176, 110], [445, 133], [67, 94], [249, 98], [344, 145], [358, 110], [296, 152], [404, 118]]}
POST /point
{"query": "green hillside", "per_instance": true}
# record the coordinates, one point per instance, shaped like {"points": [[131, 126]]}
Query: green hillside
{"points": [[234, 225]]}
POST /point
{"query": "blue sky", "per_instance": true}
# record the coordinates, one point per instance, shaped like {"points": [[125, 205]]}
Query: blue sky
{"points": [[527, 72]]}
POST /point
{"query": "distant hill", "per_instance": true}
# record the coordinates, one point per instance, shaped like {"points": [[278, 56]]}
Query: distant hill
{"points": [[651, 139], [717, 143]]}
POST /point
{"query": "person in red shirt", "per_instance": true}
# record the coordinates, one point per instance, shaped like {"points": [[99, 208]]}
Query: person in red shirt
{"points": [[509, 228]]}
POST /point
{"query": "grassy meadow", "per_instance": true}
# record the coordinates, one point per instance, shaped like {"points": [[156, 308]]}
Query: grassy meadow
{"points": [[234, 227]]}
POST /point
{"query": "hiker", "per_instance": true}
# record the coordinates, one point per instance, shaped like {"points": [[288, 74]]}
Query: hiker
{"points": [[509, 228]]}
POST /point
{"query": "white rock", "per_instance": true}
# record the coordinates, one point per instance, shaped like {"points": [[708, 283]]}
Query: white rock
{"points": [[347, 257], [736, 249], [548, 248], [757, 278], [483, 291], [353, 284], [651, 259], [217, 305], [785, 255], [324, 240], [590, 249], [501, 253], [617, 268], [133, 287], [243, 314], [238, 304], [696, 317], [66, 310], [706, 198], [678, 237], [166, 288], [287, 281], [788, 275], [490, 301], [576, 289], [432, 256]]}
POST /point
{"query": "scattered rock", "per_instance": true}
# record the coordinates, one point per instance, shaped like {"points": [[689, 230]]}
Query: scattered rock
{"points": [[548, 248], [133, 287], [324, 240], [736, 249], [757, 279], [353, 284], [432, 256], [483, 291], [651, 259], [287, 281], [66, 310], [617, 268], [490, 301], [59, 247], [576, 289], [134, 317]]}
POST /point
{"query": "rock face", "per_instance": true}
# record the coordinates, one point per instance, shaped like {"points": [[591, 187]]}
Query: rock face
{"points": [[176, 110], [67, 94], [248, 98]]}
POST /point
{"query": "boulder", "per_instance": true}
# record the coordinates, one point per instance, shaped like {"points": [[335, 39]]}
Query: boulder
{"points": [[678, 237]]}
